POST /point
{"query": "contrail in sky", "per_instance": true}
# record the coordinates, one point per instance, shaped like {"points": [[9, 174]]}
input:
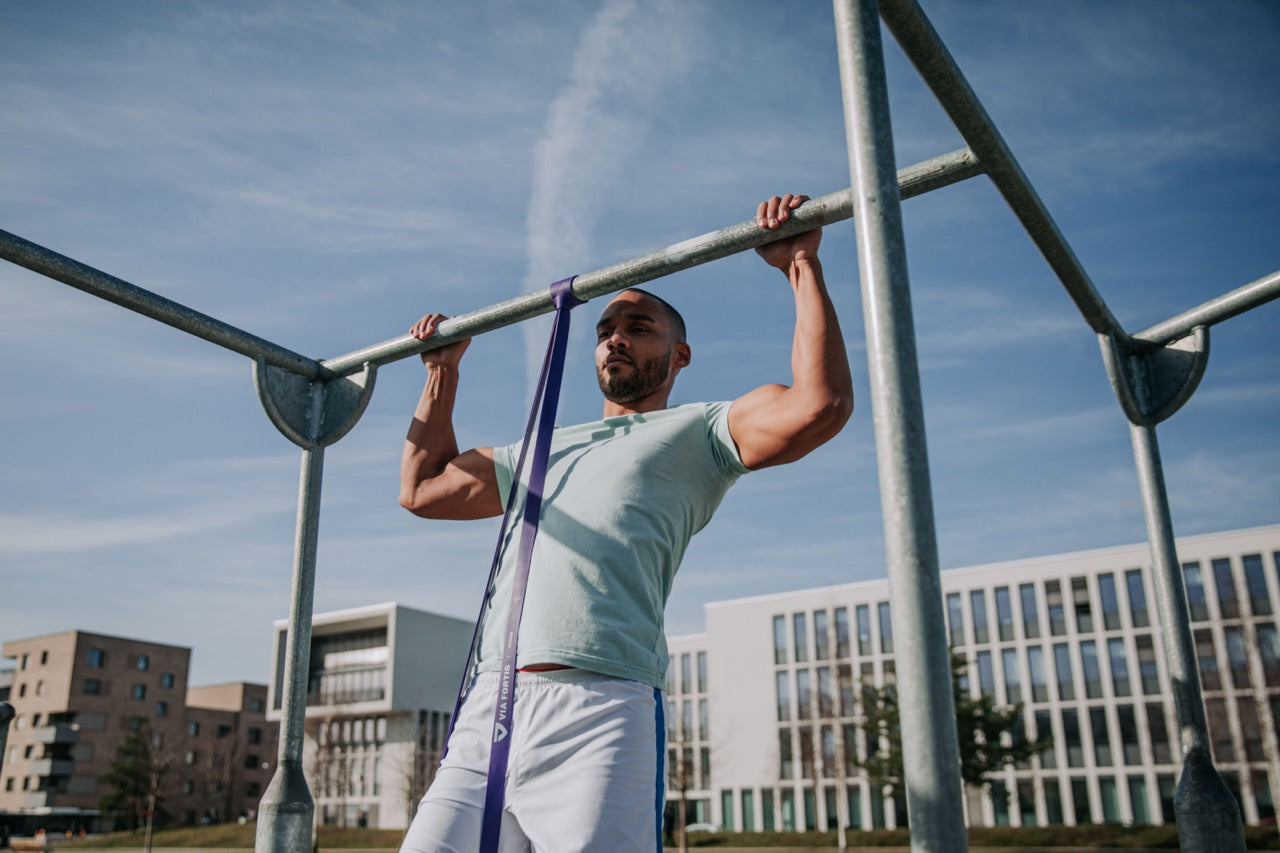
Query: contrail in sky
{"points": [[628, 53]]}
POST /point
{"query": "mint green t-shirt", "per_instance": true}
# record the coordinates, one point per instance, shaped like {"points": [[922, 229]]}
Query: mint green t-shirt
{"points": [[622, 499]]}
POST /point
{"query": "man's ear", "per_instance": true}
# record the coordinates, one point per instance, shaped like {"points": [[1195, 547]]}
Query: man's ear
{"points": [[683, 355]]}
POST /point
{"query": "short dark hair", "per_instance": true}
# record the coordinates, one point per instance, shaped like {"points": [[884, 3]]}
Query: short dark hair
{"points": [[677, 322]]}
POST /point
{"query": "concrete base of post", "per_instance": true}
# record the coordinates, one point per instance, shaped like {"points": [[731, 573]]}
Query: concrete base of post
{"points": [[286, 815], [1207, 813]]}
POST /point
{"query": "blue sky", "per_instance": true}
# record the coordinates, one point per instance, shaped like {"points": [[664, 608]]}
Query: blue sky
{"points": [[322, 173]]}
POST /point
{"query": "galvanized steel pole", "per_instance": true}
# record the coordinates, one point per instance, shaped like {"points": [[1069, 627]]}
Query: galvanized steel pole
{"points": [[1207, 815], [931, 755], [1224, 307], [286, 812]]}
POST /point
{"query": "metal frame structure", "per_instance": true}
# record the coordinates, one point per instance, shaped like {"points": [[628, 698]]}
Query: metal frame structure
{"points": [[314, 403]]}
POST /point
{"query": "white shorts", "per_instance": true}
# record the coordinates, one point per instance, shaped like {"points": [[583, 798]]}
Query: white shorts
{"points": [[586, 769]]}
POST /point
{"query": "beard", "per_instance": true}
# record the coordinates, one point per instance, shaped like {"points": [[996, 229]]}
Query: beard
{"points": [[645, 378]]}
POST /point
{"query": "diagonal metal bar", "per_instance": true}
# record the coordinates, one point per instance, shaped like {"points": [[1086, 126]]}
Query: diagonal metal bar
{"points": [[834, 207], [67, 270], [913, 31], [1224, 307]]}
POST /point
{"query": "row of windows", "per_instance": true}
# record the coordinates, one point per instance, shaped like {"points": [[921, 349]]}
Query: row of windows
{"points": [[94, 686], [1081, 737], [828, 690], [1226, 589], [686, 664], [792, 641]]}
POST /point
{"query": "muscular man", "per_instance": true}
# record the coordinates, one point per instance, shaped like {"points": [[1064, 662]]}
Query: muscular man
{"points": [[624, 495]]}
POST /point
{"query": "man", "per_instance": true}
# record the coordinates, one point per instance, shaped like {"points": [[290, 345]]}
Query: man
{"points": [[623, 497]]}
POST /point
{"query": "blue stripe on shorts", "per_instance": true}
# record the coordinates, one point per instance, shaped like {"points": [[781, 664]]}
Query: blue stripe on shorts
{"points": [[660, 738]]}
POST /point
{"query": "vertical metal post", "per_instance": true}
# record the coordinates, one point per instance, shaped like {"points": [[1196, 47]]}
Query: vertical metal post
{"points": [[931, 756], [286, 813], [1207, 814]]}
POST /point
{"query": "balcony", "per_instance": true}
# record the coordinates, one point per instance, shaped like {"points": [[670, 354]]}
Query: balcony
{"points": [[348, 685], [51, 767], [60, 733], [37, 799]]}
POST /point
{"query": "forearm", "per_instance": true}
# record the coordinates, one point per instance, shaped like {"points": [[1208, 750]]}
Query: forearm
{"points": [[821, 380], [430, 444]]}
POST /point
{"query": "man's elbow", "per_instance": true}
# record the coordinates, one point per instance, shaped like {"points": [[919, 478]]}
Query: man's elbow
{"points": [[412, 500], [832, 414]]}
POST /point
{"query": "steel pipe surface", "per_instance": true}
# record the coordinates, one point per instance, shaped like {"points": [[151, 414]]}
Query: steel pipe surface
{"points": [[61, 268], [1207, 816], [1228, 305], [834, 207], [287, 810], [913, 31], [931, 755]]}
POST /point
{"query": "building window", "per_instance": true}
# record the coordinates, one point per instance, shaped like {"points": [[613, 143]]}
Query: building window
{"points": [[1196, 602], [1119, 666], [978, 606], [779, 639], [800, 635], [1057, 615], [826, 693], [863, 613], [701, 660], [189, 758], [821, 639], [251, 761], [139, 691], [1083, 607], [188, 787], [986, 675], [842, 633], [1137, 598], [1089, 667], [1148, 670], [1208, 658], [1130, 750], [1236, 660], [142, 663], [1012, 678], [1138, 800], [804, 697], [886, 628], [1225, 583], [162, 709], [1110, 601], [1004, 613], [167, 680], [782, 689], [1219, 730], [92, 687], [1062, 663], [1030, 615], [1044, 728], [1071, 737], [94, 658], [193, 728], [1052, 802], [1256, 582], [257, 706], [1110, 799], [955, 619], [1035, 666], [704, 721], [844, 679], [1101, 737], [686, 673], [1161, 746], [786, 763]]}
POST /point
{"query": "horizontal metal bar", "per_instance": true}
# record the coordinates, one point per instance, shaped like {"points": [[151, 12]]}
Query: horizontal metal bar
{"points": [[914, 180], [48, 263], [1224, 307], [931, 58]]}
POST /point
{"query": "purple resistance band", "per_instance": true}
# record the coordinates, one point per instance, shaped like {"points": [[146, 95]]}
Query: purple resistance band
{"points": [[545, 401]]}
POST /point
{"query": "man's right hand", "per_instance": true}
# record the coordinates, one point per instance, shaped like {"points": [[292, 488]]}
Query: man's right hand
{"points": [[446, 356]]}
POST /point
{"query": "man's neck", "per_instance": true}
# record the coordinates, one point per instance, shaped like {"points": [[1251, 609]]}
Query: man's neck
{"points": [[652, 403]]}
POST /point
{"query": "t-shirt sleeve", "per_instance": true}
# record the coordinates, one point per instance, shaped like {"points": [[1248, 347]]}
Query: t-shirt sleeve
{"points": [[504, 464], [723, 447]]}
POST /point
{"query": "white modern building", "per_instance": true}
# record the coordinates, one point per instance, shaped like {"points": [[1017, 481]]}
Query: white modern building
{"points": [[764, 702], [380, 692]]}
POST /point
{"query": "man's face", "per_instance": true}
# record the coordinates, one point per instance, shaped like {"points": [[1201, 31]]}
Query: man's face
{"points": [[635, 349]]}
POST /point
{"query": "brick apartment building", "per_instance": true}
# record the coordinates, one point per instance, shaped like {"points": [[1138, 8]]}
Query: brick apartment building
{"points": [[77, 697]]}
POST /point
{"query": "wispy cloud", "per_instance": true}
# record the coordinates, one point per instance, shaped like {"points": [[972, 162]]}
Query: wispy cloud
{"points": [[629, 52]]}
